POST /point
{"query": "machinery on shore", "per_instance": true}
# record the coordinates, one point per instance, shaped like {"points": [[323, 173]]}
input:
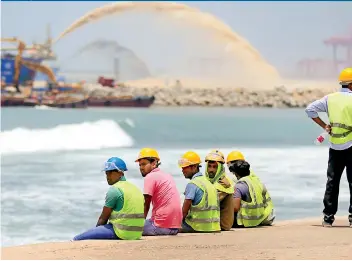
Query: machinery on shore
{"points": [[19, 88]]}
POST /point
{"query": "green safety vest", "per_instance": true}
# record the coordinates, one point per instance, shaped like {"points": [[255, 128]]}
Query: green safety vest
{"points": [[340, 117], [254, 213], [229, 190], [128, 223], [205, 217]]}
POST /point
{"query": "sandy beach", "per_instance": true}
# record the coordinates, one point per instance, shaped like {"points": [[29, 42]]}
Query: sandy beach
{"points": [[304, 239]]}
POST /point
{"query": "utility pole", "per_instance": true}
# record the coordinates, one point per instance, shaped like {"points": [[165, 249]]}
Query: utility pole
{"points": [[116, 69]]}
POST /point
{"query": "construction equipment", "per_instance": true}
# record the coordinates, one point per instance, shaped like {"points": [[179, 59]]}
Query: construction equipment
{"points": [[40, 68], [21, 47], [19, 62]]}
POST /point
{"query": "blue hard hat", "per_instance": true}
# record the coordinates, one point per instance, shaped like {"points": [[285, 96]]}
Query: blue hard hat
{"points": [[115, 163]]}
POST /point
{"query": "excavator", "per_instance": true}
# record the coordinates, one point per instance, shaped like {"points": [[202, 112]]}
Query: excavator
{"points": [[19, 61]]}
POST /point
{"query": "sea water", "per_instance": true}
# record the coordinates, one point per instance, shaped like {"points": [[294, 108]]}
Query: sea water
{"points": [[52, 187]]}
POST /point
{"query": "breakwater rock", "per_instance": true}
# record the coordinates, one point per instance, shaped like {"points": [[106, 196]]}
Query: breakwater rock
{"points": [[278, 97]]}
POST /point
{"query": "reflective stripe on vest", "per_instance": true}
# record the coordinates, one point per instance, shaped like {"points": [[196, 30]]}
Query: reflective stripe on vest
{"points": [[128, 223], [253, 213], [129, 228], [118, 215], [206, 206], [341, 126], [205, 216], [340, 117], [261, 205]]}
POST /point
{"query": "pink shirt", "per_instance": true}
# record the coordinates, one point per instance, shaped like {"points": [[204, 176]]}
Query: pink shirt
{"points": [[167, 212]]}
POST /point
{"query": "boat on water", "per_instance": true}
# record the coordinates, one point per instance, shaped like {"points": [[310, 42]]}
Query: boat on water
{"points": [[141, 102], [138, 101], [71, 96], [80, 104], [12, 102], [49, 101], [64, 95]]}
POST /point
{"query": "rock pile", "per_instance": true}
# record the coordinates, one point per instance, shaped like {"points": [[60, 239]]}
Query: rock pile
{"points": [[279, 97]]}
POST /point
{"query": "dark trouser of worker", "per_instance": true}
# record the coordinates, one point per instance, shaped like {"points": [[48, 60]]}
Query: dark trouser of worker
{"points": [[338, 161], [226, 212], [235, 224]]}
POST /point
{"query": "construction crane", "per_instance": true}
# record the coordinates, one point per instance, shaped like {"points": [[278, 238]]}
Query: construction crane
{"points": [[19, 62], [40, 68], [43, 50], [21, 47]]}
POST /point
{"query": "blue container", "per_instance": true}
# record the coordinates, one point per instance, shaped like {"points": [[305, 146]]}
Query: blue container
{"points": [[8, 70]]}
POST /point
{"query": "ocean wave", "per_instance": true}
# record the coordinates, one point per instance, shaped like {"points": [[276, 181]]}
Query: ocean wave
{"points": [[65, 137]]}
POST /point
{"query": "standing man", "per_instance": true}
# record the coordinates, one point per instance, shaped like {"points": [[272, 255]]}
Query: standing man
{"points": [[160, 190], [123, 207], [215, 173], [201, 212], [338, 106]]}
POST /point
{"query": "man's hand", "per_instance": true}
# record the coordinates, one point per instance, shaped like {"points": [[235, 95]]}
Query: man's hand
{"points": [[328, 128], [104, 216], [322, 124], [187, 203], [224, 182]]}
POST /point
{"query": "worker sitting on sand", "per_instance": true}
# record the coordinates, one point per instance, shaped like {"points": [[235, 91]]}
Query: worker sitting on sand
{"points": [[252, 202], [338, 106], [201, 212], [123, 207], [160, 190], [215, 172]]}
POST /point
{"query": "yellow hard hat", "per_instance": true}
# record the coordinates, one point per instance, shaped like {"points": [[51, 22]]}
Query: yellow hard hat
{"points": [[215, 155], [188, 159], [148, 153], [346, 76], [234, 155]]}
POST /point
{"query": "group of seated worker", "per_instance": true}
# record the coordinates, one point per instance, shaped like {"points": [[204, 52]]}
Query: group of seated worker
{"points": [[214, 201]]}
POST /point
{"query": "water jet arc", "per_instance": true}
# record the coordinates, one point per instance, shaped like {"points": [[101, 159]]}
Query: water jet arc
{"points": [[237, 46]]}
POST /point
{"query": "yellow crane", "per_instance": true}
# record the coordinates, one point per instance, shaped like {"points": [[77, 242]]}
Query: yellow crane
{"points": [[19, 62]]}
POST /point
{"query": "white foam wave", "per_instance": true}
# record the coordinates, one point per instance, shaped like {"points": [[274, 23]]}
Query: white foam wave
{"points": [[83, 136], [44, 107]]}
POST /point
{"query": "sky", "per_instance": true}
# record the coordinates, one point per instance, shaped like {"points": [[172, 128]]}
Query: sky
{"points": [[283, 32]]}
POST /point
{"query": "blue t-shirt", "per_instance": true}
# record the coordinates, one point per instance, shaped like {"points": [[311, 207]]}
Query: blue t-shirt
{"points": [[193, 192], [114, 197]]}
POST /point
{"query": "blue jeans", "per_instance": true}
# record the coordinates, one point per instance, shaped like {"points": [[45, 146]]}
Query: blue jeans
{"points": [[151, 230], [101, 232]]}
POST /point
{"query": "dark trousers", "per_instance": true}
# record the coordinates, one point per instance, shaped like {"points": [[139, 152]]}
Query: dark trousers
{"points": [[338, 161], [235, 225]]}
